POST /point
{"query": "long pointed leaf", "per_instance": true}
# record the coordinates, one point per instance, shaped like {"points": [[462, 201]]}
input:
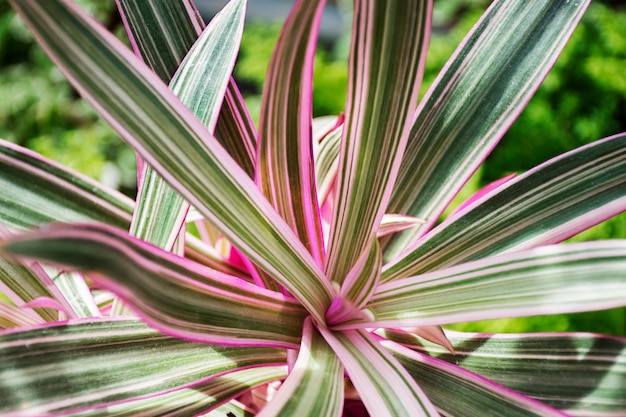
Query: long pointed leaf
{"points": [[285, 150], [386, 64], [384, 386], [460, 393], [582, 374], [547, 204], [548, 280], [150, 118], [173, 294], [479, 93], [315, 384], [97, 363]]}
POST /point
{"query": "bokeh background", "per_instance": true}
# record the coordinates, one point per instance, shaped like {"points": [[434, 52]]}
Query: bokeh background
{"points": [[583, 99]]}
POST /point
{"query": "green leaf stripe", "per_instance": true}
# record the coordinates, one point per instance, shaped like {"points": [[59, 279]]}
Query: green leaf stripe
{"points": [[285, 151], [195, 400], [384, 386], [315, 385], [36, 190]]}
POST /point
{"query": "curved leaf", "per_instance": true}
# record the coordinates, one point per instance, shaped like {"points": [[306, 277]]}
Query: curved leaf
{"points": [[150, 118], [480, 92], [460, 393], [547, 280], [100, 362], [315, 384], [387, 59], [547, 204], [580, 373], [285, 150], [173, 294]]}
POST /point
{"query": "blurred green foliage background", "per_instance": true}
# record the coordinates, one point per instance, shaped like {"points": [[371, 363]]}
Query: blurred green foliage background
{"points": [[582, 99]]}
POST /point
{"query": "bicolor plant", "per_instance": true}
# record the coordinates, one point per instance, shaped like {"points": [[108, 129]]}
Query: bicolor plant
{"points": [[303, 269]]}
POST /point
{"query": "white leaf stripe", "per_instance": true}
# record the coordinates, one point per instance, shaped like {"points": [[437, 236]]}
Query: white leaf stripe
{"points": [[381, 99], [103, 362], [582, 374], [315, 385], [473, 102], [179, 297], [460, 393], [547, 204], [547, 280], [285, 150], [385, 387], [176, 145]]}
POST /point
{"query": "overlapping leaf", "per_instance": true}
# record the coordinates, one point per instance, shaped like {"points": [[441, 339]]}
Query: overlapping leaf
{"points": [[101, 362], [582, 374], [385, 387], [547, 204], [457, 392], [36, 190], [175, 295], [476, 97], [176, 145], [315, 385]]}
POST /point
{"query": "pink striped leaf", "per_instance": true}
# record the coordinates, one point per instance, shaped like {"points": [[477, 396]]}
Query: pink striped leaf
{"points": [[460, 393], [384, 386], [472, 103], [387, 58], [315, 385], [547, 280], [285, 150], [549, 203], [580, 373], [172, 294], [102, 363], [167, 135]]}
